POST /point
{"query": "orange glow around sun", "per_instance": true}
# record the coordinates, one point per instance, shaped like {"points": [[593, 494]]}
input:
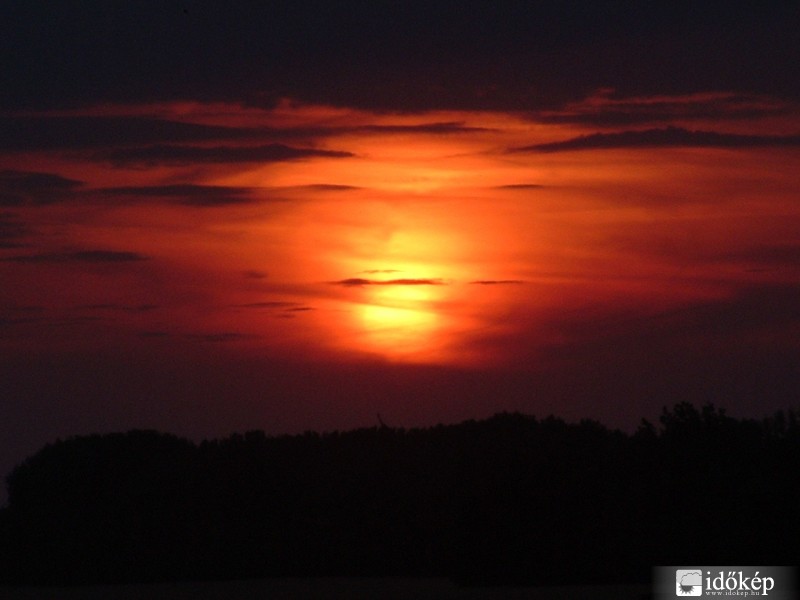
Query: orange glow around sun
{"points": [[439, 238]]}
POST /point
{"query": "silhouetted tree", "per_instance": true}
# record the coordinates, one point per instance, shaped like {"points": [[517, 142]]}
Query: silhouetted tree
{"points": [[512, 499]]}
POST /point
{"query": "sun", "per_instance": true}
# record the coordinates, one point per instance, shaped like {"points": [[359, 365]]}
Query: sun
{"points": [[398, 329], [399, 321]]}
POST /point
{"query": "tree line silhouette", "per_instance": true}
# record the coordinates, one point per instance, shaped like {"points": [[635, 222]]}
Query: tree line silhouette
{"points": [[512, 499]]}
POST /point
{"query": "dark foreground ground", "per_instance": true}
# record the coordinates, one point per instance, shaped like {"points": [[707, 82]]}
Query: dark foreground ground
{"points": [[513, 501], [326, 589]]}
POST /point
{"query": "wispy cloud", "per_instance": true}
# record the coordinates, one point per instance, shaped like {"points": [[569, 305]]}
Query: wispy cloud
{"points": [[328, 131], [326, 187], [497, 282], [432, 128], [520, 186], [358, 281], [605, 109], [128, 308], [250, 274], [278, 308], [84, 132], [177, 155], [185, 194], [666, 137], [21, 188]]}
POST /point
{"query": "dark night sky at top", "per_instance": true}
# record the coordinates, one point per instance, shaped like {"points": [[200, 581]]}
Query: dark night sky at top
{"points": [[218, 217], [384, 55]]}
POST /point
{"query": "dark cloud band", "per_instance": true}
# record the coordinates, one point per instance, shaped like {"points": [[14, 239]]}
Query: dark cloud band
{"points": [[358, 282], [666, 137], [84, 132], [167, 154]]}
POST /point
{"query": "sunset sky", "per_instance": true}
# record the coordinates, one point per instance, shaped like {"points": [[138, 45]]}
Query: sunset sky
{"points": [[297, 215]]}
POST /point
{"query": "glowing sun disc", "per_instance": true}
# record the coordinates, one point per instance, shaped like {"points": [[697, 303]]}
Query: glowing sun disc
{"points": [[394, 330]]}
